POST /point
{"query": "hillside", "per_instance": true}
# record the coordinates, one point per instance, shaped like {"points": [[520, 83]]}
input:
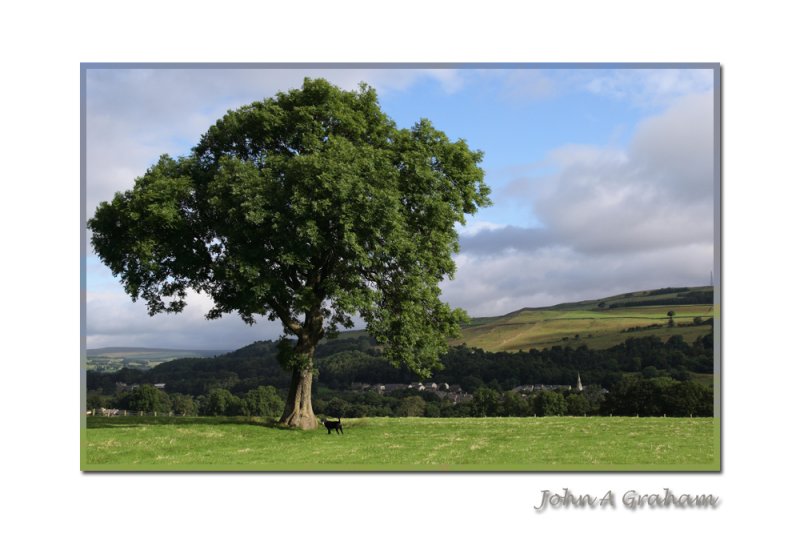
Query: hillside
{"points": [[109, 359], [599, 323]]}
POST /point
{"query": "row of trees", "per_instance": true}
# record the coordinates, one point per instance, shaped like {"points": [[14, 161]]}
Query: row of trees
{"points": [[342, 362], [263, 401], [689, 297], [632, 396], [645, 397]]}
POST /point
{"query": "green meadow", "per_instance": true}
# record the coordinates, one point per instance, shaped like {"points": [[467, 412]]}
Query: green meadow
{"points": [[403, 444], [595, 328]]}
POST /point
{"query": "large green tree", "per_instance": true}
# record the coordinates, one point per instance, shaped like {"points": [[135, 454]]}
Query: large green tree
{"points": [[309, 208]]}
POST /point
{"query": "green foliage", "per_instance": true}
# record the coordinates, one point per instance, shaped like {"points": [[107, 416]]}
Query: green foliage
{"points": [[147, 398], [336, 407], [688, 399], [548, 403], [432, 410], [95, 399], [184, 404], [412, 406], [486, 402], [308, 207], [577, 404], [514, 405], [649, 372], [343, 361], [343, 368], [634, 395], [222, 402], [264, 401]]}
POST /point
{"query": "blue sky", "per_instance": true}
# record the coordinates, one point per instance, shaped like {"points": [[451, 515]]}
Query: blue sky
{"points": [[602, 179], [515, 130]]}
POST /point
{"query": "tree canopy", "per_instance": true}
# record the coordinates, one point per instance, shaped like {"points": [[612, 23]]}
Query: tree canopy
{"points": [[310, 207]]}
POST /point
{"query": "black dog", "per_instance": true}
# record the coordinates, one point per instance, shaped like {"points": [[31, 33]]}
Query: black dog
{"points": [[334, 425]]}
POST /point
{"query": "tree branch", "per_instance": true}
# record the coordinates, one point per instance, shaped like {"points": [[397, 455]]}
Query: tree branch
{"points": [[286, 318]]}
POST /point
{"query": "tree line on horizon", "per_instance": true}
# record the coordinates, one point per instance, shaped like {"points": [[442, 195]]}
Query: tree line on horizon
{"points": [[643, 376], [633, 396]]}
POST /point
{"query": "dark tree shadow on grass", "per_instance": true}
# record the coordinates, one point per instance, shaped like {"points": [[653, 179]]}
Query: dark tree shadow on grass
{"points": [[136, 421]]}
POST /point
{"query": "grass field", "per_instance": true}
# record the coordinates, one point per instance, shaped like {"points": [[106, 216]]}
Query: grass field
{"points": [[595, 328], [407, 444]]}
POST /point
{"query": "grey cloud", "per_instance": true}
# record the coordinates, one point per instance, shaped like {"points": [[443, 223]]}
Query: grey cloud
{"points": [[505, 239], [613, 221], [676, 148], [658, 193], [113, 320], [506, 282]]}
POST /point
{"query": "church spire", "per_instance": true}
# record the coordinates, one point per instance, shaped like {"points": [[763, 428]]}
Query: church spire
{"points": [[580, 386]]}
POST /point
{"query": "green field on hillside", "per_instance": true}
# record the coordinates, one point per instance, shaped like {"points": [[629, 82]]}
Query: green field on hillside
{"points": [[598, 324], [585, 323], [406, 444]]}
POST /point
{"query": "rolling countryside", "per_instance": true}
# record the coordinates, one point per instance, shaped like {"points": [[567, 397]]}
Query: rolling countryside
{"points": [[110, 359], [495, 425], [598, 324]]}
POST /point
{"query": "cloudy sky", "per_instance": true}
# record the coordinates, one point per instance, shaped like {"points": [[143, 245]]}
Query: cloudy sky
{"points": [[602, 179]]}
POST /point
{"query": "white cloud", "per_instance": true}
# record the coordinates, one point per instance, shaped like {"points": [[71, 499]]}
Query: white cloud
{"points": [[504, 282], [658, 193], [612, 221], [647, 87], [112, 319], [474, 227], [451, 80]]}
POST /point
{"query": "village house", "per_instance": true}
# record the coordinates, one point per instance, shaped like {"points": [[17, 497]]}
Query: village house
{"points": [[444, 390]]}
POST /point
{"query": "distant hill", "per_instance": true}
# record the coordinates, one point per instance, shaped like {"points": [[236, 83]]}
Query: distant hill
{"points": [[598, 323], [109, 359], [345, 361], [145, 353]]}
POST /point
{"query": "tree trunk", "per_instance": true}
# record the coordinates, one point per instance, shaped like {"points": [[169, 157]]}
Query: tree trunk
{"points": [[298, 412]]}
